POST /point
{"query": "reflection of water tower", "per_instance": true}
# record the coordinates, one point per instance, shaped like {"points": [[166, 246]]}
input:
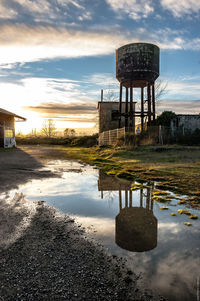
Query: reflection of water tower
{"points": [[136, 227], [137, 66]]}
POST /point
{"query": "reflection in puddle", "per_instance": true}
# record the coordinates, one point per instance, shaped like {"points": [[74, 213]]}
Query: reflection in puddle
{"points": [[129, 224], [135, 227]]}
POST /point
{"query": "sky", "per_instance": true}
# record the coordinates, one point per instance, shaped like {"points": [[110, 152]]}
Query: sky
{"points": [[57, 55]]}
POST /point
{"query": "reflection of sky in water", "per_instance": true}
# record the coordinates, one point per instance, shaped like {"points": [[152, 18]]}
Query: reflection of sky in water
{"points": [[171, 268]]}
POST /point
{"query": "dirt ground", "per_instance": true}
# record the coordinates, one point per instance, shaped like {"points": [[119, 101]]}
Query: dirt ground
{"points": [[46, 256]]}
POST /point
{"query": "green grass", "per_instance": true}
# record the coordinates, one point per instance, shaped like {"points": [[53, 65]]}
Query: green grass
{"points": [[176, 169]]}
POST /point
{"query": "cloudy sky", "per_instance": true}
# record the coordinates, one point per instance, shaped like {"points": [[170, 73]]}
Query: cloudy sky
{"points": [[56, 55]]}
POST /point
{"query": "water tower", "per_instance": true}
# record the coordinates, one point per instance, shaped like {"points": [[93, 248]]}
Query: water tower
{"points": [[137, 66]]}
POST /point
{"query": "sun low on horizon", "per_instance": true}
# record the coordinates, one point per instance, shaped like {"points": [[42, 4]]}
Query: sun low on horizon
{"points": [[55, 57]]}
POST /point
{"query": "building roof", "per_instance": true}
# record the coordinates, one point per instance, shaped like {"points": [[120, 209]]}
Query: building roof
{"points": [[11, 114]]}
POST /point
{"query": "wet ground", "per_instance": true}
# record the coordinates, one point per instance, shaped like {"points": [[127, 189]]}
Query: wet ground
{"points": [[44, 254], [158, 247]]}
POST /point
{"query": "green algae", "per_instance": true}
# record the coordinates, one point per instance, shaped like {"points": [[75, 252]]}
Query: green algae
{"points": [[159, 192], [193, 216], [164, 208], [161, 199], [183, 211], [181, 202], [188, 224]]}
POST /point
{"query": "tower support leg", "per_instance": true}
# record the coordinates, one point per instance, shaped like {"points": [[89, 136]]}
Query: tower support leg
{"points": [[142, 109], [153, 102], [149, 103], [120, 104], [132, 124], [126, 109]]}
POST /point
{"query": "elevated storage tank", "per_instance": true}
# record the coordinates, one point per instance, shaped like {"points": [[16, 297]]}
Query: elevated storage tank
{"points": [[137, 64]]}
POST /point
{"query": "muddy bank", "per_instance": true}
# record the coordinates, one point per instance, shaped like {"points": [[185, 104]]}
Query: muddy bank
{"points": [[45, 255]]}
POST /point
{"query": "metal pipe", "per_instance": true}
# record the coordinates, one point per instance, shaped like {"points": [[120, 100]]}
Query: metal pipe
{"points": [[101, 95]]}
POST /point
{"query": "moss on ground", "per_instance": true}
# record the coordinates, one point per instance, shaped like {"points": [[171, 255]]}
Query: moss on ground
{"points": [[177, 169]]}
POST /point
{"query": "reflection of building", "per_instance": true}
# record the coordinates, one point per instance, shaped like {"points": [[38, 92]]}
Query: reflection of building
{"points": [[7, 128], [135, 227]]}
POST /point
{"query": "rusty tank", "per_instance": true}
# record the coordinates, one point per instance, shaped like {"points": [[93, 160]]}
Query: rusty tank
{"points": [[137, 64]]}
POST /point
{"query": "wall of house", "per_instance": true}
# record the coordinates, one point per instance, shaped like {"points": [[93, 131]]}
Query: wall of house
{"points": [[107, 118], [185, 123], [7, 130]]}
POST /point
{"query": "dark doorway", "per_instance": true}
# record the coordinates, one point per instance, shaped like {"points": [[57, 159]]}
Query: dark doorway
{"points": [[1, 136]]}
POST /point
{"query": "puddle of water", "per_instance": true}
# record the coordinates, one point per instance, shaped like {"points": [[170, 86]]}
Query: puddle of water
{"points": [[157, 246]]}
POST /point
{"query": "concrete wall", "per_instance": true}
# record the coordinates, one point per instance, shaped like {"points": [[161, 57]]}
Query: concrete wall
{"points": [[106, 120], [185, 123]]}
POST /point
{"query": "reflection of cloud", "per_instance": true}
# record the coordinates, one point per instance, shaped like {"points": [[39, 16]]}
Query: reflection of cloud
{"points": [[176, 275], [173, 227], [133, 8], [181, 8]]}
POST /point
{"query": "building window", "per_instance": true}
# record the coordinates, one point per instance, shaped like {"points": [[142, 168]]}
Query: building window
{"points": [[8, 133], [115, 115]]}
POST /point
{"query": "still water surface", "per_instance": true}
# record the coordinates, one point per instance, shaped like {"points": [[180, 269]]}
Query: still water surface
{"points": [[158, 247]]}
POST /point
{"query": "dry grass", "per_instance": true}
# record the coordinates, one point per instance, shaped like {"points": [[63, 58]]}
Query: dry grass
{"points": [[175, 168]]}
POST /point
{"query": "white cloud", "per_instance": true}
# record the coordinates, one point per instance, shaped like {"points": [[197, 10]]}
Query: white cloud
{"points": [[25, 44], [181, 8], [21, 43], [47, 11], [36, 6], [5, 12], [135, 9], [52, 93], [101, 79], [179, 106], [187, 86]]}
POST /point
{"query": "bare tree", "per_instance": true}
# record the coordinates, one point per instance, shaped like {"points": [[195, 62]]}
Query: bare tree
{"points": [[73, 132], [69, 132], [48, 128], [111, 94], [66, 133], [160, 89]]}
